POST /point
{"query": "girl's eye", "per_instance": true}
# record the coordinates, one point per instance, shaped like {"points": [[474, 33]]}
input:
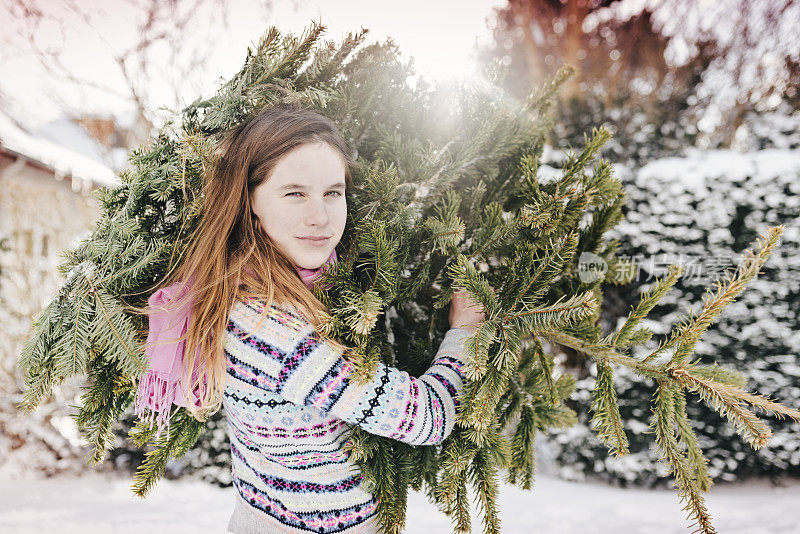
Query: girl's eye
{"points": [[298, 193]]}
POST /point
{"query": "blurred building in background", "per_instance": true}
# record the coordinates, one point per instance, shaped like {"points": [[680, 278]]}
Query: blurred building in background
{"points": [[46, 180]]}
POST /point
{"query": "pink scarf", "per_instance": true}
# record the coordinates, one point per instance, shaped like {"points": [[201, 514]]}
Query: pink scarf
{"points": [[160, 386]]}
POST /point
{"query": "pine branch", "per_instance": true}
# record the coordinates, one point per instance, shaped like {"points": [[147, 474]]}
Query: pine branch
{"points": [[112, 330], [461, 504], [404, 470], [542, 96], [547, 368], [360, 311], [494, 231], [322, 71], [36, 354], [689, 332], [451, 490], [648, 300], [562, 313], [521, 469], [549, 268], [718, 373], [295, 52], [604, 218], [573, 168], [507, 357], [604, 190], [510, 405], [183, 432], [480, 401], [483, 474], [606, 411], [445, 233], [597, 350], [727, 400], [688, 437], [573, 212], [72, 350], [101, 405], [685, 482]]}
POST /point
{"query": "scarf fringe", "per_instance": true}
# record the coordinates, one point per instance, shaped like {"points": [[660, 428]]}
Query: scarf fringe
{"points": [[154, 399], [156, 395]]}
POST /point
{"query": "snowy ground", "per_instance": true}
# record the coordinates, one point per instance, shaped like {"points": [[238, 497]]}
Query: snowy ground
{"points": [[99, 503]]}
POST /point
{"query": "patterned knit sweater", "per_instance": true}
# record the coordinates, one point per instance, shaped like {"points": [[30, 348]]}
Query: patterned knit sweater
{"points": [[289, 400]]}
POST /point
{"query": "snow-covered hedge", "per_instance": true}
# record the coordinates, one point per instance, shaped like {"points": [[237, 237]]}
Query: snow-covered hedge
{"points": [[702, 211]]}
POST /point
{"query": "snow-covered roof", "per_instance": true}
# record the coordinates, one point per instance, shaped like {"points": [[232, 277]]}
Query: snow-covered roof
{"points": [[62, 160]]}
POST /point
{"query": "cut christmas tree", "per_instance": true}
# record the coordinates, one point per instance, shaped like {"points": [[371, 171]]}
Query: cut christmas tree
{"points": [[448, 195]]}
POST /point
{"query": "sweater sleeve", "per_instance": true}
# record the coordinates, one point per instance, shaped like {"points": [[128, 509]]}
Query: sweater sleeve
{"points": [[285, 355]]}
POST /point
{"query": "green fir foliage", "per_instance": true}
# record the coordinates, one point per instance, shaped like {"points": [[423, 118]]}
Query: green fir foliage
{"points": [[446, 197]]}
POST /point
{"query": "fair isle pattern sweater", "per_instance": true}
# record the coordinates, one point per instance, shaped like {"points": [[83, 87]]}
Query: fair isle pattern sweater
{"points": [[289, 401]]}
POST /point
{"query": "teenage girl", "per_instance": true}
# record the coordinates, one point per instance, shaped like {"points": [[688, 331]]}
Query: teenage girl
{"points": [[275, 208]]}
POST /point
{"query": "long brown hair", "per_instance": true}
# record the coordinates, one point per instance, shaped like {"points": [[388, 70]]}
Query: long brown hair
{"points": [[228, 244]]}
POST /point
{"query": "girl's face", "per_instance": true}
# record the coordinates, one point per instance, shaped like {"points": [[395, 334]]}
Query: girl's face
{"points": [[304, 197]]}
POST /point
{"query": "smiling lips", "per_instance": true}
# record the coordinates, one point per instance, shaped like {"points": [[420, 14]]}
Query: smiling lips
{"points": [[315, 241]]}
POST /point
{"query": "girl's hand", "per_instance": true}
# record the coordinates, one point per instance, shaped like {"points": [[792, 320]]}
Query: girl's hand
{"points": [[465, 312]]}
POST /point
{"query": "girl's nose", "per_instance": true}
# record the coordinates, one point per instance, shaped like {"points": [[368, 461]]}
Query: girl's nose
{"points": [[317, 213]]}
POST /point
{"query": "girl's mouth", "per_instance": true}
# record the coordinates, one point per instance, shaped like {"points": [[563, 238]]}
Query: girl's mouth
{"points": [[314, 242]]}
